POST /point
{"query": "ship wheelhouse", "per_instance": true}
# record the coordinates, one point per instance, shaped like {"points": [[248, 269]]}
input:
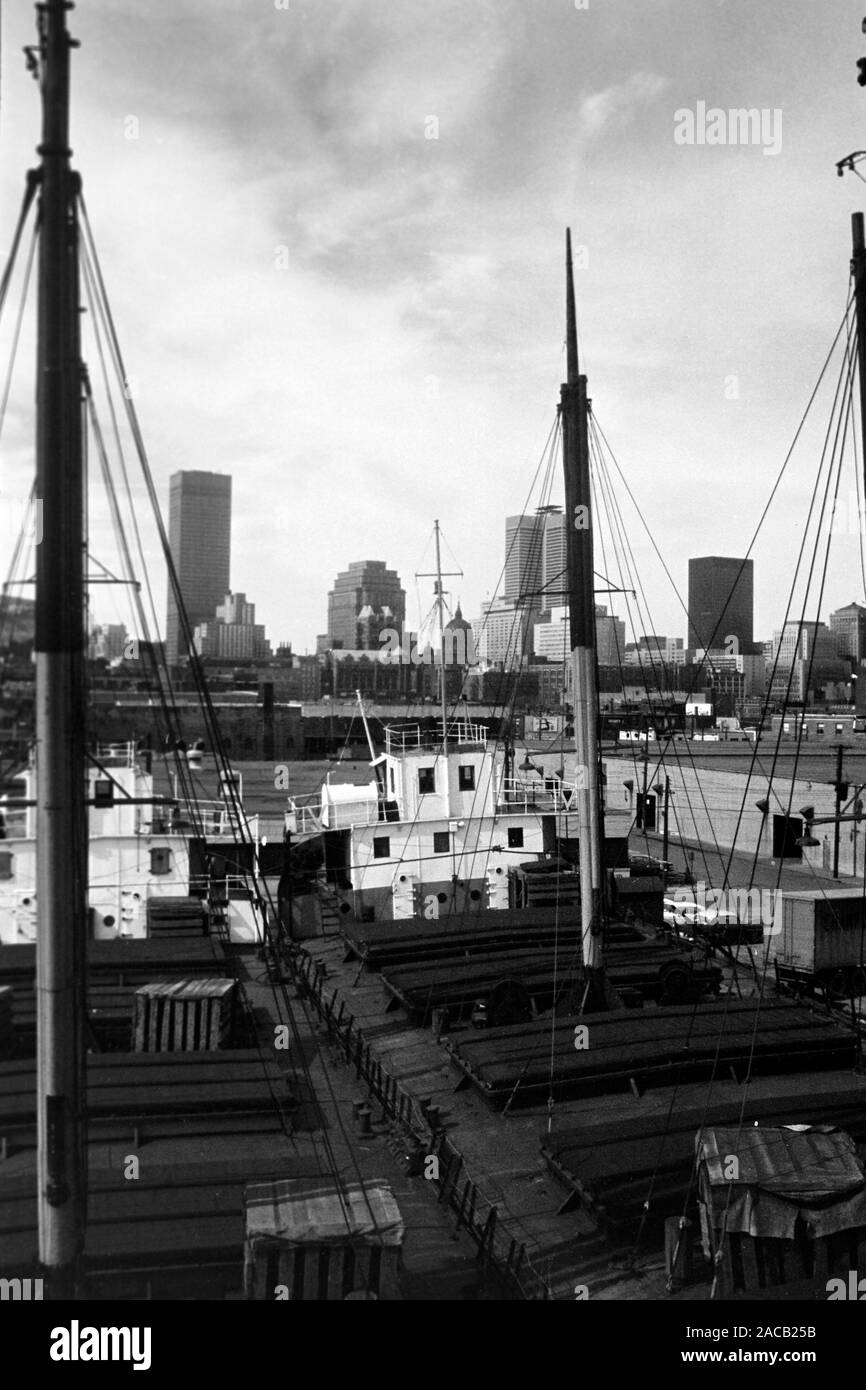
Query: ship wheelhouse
{"points": [[432, 832]]}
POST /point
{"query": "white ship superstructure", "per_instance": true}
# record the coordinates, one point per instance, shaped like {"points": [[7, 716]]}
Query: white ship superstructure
{"points": [[139, 848], [433, 833]]}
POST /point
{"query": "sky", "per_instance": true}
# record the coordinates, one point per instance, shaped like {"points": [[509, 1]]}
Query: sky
{"points": [[332, 233]]}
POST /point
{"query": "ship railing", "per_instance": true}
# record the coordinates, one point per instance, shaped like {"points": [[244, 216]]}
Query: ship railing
{"points": [[404, 738], [478, 1214], [312, 818], [117, 754], [551, 794], [215, 817], [231, 888], [169, 818]]}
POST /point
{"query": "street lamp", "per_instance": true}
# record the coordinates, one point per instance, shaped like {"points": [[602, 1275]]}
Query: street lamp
{"points": [[807, 840]]}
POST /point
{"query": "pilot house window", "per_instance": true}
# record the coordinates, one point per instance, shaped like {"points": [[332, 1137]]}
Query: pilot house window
{"points": [[381, 846], [426, 780], [515, 837], [466, 777], [441, 841]]}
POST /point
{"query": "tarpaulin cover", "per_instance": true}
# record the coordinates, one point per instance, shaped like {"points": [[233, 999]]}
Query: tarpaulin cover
{"points": [[782, 1174], [305, 1211]]}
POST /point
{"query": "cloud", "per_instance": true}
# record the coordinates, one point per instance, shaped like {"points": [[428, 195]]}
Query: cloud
{"points": [[406, 362], [619, 104]]}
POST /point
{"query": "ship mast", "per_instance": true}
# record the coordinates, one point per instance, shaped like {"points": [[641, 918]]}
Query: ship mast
{"points": [[61, 814], [581, 607], [858, 271], [438, 575], [443, 698]]}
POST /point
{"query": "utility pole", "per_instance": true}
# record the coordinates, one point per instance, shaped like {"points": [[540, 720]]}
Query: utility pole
{"points": [[61, 770], [644, 791], [839, 788]]}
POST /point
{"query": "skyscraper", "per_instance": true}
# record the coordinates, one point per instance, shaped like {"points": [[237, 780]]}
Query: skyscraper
{"points": [[849, 625], [524, 546], [721, 604], [199, 533], [554, 560], [551, 639], [366, 599]]}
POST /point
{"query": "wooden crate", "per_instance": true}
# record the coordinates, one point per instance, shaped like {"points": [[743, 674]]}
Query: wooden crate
{"points": [[183, 1015], [307, 1241]]}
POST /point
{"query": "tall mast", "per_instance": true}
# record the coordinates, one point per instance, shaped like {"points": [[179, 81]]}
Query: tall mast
{"points": [[443, 698], [581, 608], [858, 271], [440, 604], [61, 824], [440, 609]]}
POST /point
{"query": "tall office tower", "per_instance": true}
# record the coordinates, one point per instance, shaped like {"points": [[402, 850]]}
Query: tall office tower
{"points": [[551, 641], [199, 533], [609, 637], [803, 641], [849, 625], [554, 578], [366, 599], [721, 603], [107, 642], [524, 547], [503, 633]]}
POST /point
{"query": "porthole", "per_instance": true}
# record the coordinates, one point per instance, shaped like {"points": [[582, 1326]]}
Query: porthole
{"points": [[108, 920]]}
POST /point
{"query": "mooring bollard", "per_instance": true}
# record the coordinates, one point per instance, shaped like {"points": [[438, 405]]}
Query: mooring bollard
{"points": [[364, 1117]]}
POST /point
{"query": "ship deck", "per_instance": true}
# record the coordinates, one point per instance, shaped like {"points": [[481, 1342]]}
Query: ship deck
{"points": [[562, 1181], [201, 1126]]}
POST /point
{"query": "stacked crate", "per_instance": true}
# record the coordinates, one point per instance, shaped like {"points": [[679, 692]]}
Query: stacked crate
{"points": [[184, 1016], [308, 1240], [781, 1206], [7, 1035], [176, 917]]}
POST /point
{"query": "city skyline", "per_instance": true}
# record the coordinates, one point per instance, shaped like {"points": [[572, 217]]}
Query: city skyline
{"points": [[537, 560]]}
